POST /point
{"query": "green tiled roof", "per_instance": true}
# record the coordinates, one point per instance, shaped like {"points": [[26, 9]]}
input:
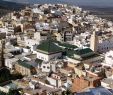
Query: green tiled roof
{"points": [[38, 61], [83, 51], [83, 54], [84, 58], [80, 51], [70, 53], [24, 64], [48, 47], [91, 56], [66, 45]]}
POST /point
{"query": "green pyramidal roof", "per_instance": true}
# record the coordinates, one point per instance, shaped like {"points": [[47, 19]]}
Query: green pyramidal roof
{"points": [[83, 51], [48, 47], [24, 63]]}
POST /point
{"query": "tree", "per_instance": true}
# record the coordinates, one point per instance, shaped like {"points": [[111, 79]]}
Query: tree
{"points": [[13, 92], [4, 75]]}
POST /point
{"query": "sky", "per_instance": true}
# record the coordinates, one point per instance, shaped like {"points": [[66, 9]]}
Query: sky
{"points": [[77, 2]]}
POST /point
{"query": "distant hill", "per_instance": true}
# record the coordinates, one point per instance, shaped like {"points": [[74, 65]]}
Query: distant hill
{"points": [[18, 1], [6, 7], [97, 3], [101, 8], [10, 5], [103, 12]]}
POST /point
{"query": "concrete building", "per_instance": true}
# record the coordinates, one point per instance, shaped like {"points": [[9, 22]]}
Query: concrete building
{"points": [[105, 44], [48, 50], [107, 83], [101, 43], [40, 36], [49, 66], [24, 68], [10, 62], [85, 55], [80, 83], [109, 58], [57, 79]]}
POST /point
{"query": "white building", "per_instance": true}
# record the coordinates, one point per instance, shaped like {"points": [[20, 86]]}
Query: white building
{"points": [[26, 41], [48, 67], [107, 83], [37, 11], [48, 50], [109, 58], [105, 44], [81, 40], [10, 62], [31, 42], [34, 85], [85, 55], [56, 79], [40, 36], [102, 43], [42, 26]]}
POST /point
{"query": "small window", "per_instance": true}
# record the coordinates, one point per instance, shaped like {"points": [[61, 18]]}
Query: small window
{"points": [[44, 67], [41, 57], [47, 67]]}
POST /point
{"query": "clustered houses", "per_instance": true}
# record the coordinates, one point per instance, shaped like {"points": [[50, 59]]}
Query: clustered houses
{"points": [[56, 48]]}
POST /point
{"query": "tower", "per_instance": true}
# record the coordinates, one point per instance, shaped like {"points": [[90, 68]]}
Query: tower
{"points": [[94, 42], [2, 63]]}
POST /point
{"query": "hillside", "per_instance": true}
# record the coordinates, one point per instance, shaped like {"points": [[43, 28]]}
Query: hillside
{"points": [[6, 7], [10, 5], [103, 12]]}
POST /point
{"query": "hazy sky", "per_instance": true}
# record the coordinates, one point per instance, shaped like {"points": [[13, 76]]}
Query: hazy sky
{"points": [[78, 2]]}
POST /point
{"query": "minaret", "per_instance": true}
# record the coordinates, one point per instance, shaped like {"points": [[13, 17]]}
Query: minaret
{"points": [[2, 63], [94, 42]]}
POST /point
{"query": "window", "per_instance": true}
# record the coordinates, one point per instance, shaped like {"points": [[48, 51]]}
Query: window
{"points": [[47, 67], [44, 67], [41, 57]]}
